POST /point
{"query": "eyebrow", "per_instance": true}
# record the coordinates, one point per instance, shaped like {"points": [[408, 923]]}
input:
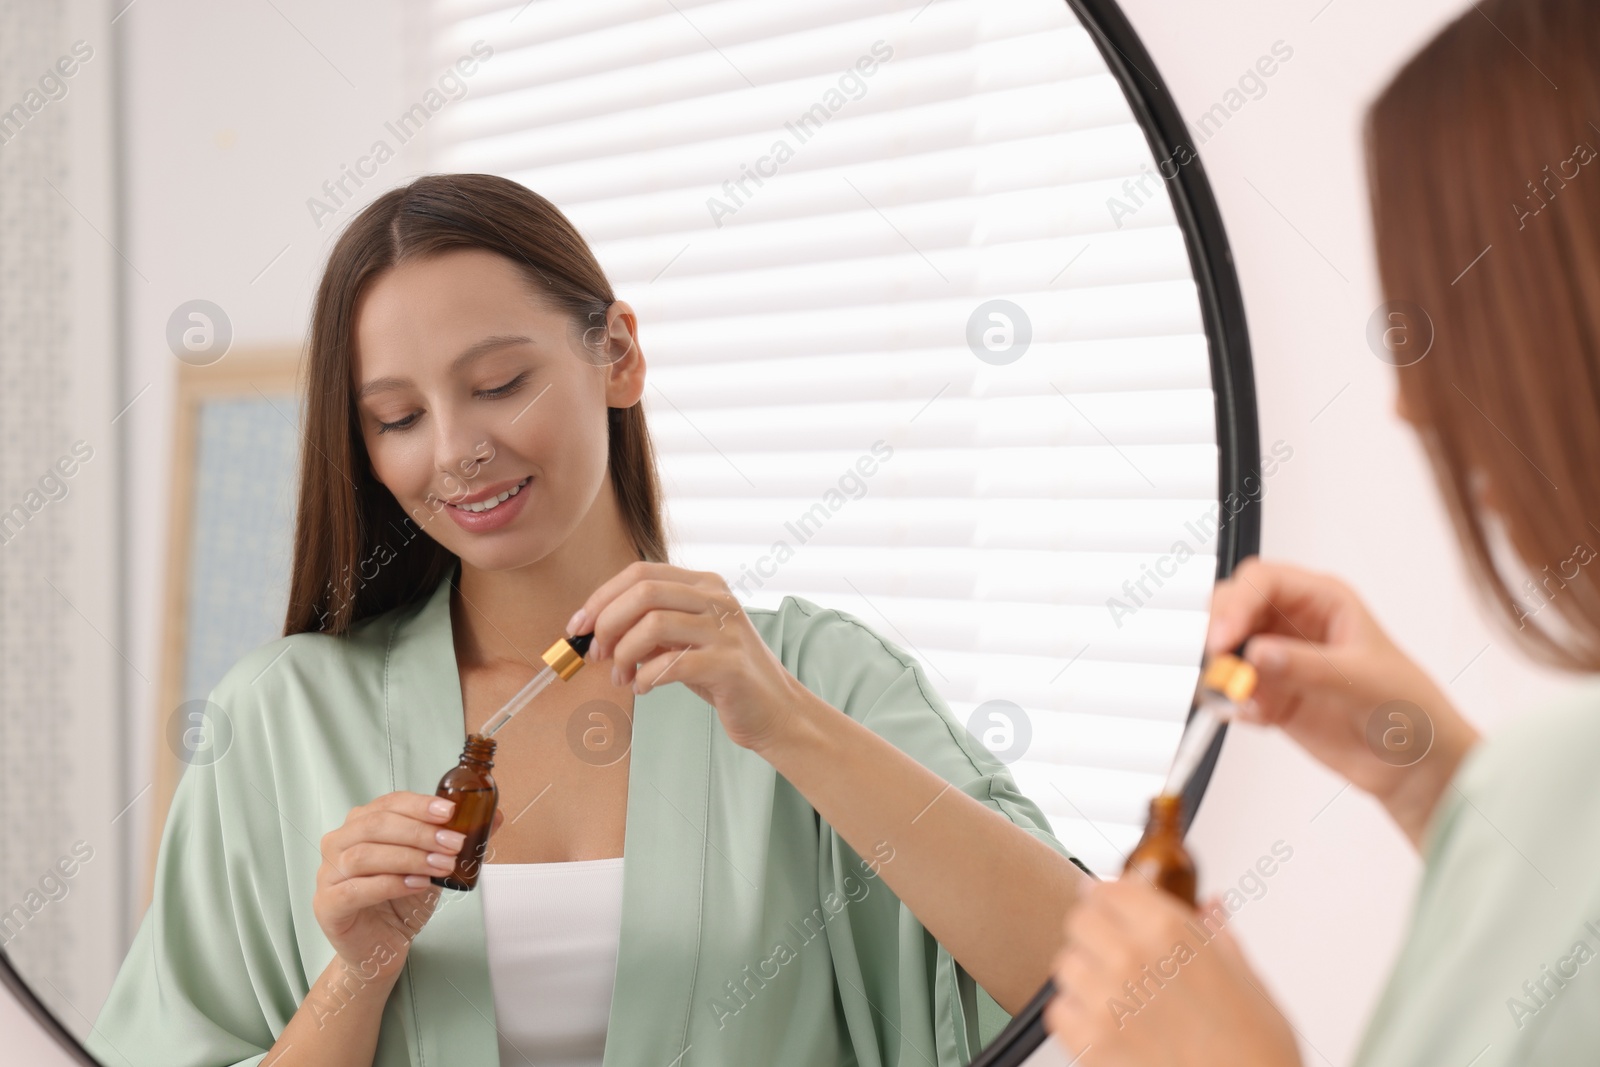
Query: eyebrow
{"points": [[480, 348]]}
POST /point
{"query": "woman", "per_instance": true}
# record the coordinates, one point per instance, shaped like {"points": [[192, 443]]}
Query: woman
{"points": [[1482, 145], [803, 885]]}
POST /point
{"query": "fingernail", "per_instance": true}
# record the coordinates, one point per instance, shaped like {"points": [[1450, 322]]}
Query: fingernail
{"points": [[576, 623], [442, 806], [1270, 658], [416, 881], [441, 861], [451, 839]]}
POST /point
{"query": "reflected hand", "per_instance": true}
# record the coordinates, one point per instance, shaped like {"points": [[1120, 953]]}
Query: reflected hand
{"points": [[1339, 686], [1194, 1000], [373, 894], [664, 624]]}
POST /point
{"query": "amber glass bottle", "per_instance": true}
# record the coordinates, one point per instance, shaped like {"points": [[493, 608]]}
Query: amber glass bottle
{"points": [[1160, 855], [472, 787]]}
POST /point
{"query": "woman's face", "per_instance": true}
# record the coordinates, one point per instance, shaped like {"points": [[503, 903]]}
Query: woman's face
{"points": [[469, 387]]}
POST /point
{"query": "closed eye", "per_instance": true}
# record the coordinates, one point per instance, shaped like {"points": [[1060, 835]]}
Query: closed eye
{"points": [[496, 392], [502, 390]]}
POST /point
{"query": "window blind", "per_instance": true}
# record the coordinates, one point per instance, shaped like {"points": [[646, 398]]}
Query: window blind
{"points": [[810, 207]]}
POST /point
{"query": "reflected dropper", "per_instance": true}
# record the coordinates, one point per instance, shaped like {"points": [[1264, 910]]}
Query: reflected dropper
{"points": [[562, 660]]}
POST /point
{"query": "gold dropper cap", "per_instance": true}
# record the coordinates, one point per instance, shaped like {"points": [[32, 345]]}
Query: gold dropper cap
{"points": [[562, 658], [1230, 676]]}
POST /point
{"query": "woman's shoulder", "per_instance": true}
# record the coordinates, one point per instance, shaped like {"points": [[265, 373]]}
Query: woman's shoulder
{"points": [[305, 670], [1544, 760], [1509, 898], [1527, 786], [804, 627], [873, 679], [828, 647], [868, 676]]}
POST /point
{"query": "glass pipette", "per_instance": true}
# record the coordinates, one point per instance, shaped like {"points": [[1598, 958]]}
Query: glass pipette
{"points": [[562, 660], [1226, 682]]}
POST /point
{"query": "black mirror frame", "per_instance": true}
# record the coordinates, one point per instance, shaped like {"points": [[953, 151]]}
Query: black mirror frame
{"points": [[1232, 381]]}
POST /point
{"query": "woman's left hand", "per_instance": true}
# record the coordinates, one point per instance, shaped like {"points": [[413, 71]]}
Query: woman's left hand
{"points": [[664, 624], [1193, 999]]}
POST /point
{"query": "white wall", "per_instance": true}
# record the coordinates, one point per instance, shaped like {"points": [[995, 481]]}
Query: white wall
{"points": [[1355, 500]]}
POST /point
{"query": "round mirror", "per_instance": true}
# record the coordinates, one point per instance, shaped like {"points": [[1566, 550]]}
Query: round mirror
{"points": [[944, 347]]}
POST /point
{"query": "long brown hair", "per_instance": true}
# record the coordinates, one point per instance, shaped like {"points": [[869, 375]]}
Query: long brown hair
{"points": [[356, 552], [1485, 184]]}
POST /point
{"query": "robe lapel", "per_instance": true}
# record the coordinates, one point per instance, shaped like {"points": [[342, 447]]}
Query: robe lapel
{"points": [[445, 998], [663, 879]]}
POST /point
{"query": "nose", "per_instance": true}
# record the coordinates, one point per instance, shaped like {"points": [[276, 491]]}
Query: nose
{"points": [[461, 450]]}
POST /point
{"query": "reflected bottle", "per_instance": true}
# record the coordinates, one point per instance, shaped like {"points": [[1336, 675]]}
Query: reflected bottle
{"points": [[472, 787], [1160, 855]]}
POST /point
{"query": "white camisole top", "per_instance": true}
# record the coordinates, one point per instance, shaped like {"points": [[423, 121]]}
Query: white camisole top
{"points": [[553, 930]]}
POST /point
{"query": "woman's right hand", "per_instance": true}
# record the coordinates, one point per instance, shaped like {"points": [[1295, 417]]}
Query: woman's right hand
{"points": [[1339, 687], [373, 890]]}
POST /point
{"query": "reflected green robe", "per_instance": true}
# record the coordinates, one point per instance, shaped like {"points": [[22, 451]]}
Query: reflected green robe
{"points": [[725, 862]]}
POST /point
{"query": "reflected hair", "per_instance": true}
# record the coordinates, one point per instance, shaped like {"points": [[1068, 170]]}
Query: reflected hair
{"points": [[356, 552], [1486, 214]]}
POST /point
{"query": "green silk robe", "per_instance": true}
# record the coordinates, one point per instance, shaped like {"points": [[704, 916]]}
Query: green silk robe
{"points": [[1501, 965], [752, 934]]}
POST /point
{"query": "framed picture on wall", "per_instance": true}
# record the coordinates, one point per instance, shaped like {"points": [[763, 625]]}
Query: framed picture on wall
{"points": [[234, 478]]}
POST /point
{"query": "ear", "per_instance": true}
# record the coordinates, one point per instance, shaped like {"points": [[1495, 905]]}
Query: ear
{"points": [[625, 365]]}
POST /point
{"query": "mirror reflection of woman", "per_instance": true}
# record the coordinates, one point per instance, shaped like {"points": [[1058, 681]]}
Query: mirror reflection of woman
{"points": [[822, 865], [1483, 155]]}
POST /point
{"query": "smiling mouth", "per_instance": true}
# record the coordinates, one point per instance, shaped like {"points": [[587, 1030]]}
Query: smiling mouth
{"points": [[494, 501]]}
